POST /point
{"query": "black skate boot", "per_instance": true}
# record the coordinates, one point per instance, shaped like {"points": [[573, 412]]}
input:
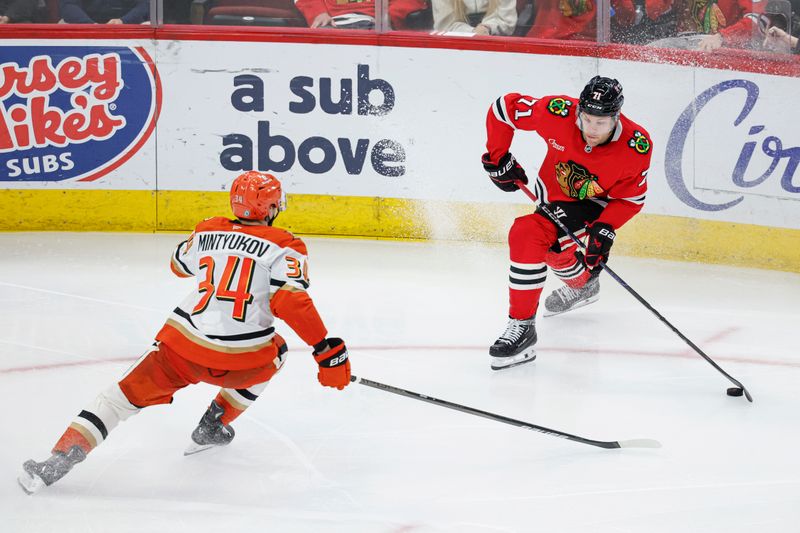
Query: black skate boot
{"points": [[210, 431], [515, 345], [566, 298], [37, 475]]}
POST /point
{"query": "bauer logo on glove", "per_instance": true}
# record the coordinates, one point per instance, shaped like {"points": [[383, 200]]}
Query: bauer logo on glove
{"points": [[505, 173], [601, 238], [336, 361], [334, 364]]}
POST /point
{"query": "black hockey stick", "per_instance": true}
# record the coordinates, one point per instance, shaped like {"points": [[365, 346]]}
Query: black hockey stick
{"points": [[635, 294], [633, 443]]}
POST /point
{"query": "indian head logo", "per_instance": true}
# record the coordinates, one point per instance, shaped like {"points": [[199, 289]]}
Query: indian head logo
{"points": [[559, 107], [576, 181], [72, 112]]}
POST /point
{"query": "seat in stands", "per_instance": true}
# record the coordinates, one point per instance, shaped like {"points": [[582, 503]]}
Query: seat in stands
{"points": [[246, 13]]}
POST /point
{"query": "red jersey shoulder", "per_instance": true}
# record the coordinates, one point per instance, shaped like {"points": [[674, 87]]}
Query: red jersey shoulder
{"points": [[560, 106], [635, 136]]}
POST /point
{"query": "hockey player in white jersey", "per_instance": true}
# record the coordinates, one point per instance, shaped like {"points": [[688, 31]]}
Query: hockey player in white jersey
{"points": [[247, 273]]}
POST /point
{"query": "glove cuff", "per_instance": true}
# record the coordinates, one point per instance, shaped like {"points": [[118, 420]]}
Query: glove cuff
{"points": [[604, 229], [502, 167], [321, 346], [335, 355]]}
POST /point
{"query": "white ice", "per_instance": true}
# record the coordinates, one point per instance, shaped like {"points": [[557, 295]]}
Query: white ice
{"points": [[77, 309]]}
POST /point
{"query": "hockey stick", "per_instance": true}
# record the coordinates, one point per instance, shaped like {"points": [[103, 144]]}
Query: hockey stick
{"points": [[633, 443], [635, 294]]}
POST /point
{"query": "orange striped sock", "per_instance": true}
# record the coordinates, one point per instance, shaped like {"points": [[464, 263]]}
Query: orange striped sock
{"points": [[71, 438], [231, 413]]}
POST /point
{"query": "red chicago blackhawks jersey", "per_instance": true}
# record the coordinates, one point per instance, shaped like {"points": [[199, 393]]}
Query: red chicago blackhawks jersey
{"points": [[246, 275], [613, 174]]}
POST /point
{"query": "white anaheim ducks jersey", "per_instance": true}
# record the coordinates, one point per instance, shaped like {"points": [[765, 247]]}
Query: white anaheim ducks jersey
{"points": [[227, 322]]}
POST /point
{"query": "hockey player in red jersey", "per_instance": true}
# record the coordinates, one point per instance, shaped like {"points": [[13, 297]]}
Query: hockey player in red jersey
{"points": [[248, 272], [593, 178]]}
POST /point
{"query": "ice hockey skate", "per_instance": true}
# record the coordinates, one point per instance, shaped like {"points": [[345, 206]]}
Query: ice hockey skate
{"points": [[35, 475], [566, 298], [515, 346], [210, 432]]}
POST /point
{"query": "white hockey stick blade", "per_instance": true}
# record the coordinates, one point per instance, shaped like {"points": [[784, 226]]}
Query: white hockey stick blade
{"points": [[30, 484], [639, 443]]}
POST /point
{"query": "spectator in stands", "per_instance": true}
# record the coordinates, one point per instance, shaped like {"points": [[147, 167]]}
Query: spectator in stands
{"points": [[14, 11], [400, 9], [642, 21], [777, 39], [105, 11], [177, 11], [355, 14], [700, 23], [565, 19], [761, 28], [710, 16], [577, 19], [481, 17]]}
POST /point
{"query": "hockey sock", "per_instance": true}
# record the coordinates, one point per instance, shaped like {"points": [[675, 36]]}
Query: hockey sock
{"points": [[525, 283], [528, 240], [568, 268], [236, 401], [93, 424]]}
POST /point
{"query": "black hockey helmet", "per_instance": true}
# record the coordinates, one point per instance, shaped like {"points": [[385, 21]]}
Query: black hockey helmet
{"points": [[601, 97]]}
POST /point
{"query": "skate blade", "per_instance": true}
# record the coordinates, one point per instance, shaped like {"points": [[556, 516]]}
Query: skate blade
{"points": [[194, 448], [501, 363], [30, 484], [578, 305]]}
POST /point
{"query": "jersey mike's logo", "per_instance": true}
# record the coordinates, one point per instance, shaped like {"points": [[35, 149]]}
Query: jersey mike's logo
{"points": [[576, 181], [72, 112]]}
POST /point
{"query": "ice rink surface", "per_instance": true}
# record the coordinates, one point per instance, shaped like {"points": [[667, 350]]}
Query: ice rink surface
{"points": [[77, 309]]}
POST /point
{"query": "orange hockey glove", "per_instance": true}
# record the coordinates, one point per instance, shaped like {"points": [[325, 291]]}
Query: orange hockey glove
{"points": [[334, 364]]}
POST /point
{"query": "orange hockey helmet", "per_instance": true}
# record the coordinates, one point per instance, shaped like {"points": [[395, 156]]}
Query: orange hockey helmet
{"points": [[254, 193]]}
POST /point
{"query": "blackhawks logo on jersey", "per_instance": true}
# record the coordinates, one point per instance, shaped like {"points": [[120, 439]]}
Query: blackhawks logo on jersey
{"points": [[639, 142], [576, 181], [559, 107]]}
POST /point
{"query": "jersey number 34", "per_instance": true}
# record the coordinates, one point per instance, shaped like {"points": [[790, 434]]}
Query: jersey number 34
{"points": [[240, 297]]}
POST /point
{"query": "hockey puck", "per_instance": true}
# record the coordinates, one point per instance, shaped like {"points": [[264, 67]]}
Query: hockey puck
{"points": [[735, 391]]}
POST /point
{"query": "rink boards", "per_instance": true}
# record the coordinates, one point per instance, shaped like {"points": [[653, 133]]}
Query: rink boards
{"points": [[380, 138]]}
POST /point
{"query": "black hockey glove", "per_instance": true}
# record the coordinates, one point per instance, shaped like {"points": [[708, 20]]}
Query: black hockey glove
{"points": [[601, 238], [505, 172]]}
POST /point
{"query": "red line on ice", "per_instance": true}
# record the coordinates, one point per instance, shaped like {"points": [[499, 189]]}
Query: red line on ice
{"points": [[683, 355]]}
